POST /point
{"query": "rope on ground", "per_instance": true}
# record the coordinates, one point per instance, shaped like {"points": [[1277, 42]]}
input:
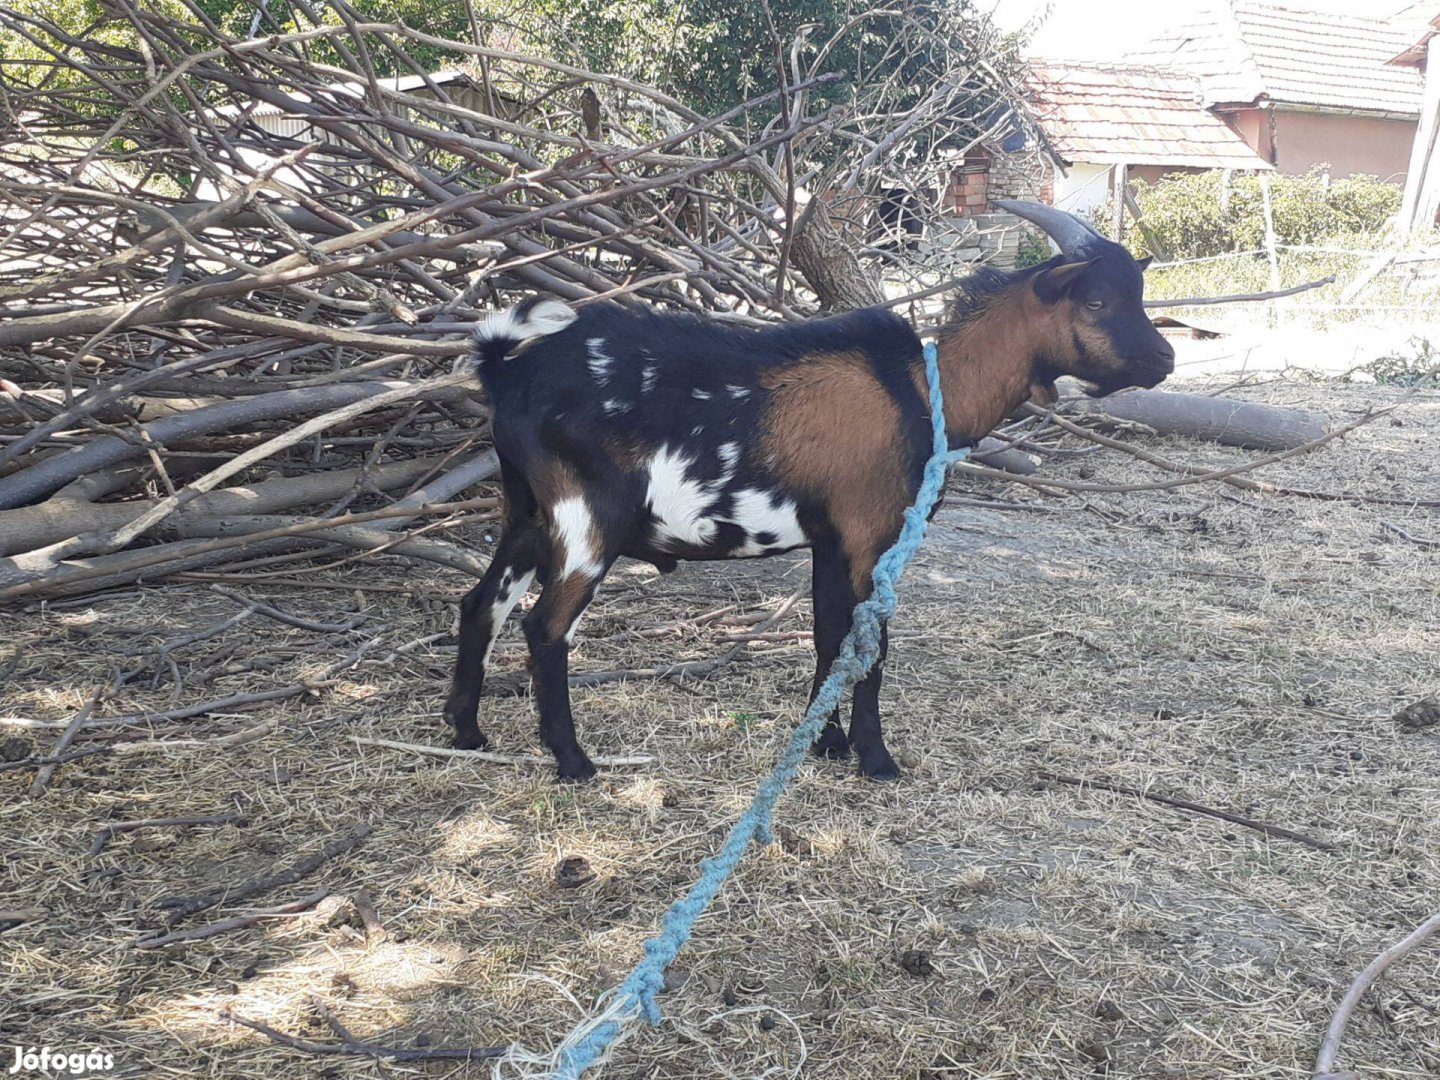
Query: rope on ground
{"points": [[592, 1041]]}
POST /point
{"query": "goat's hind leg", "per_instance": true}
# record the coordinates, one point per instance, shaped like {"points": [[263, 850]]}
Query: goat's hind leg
{"points": [[483, 612], [833, 601], [549, 628], [865, 736]]}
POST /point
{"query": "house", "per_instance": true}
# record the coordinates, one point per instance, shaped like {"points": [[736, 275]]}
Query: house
{"points": [[1302, 88], [1422, 180], [1243, 84], [1142, 122], [291, 130]]}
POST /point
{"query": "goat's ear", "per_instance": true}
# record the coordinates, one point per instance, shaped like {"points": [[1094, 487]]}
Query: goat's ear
{"points": [[1055, 283], [1144, 264]]}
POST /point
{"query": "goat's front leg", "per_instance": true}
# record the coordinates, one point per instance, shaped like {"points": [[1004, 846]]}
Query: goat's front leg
{"points": [[833, 600], [483, 612], [549, 628]]}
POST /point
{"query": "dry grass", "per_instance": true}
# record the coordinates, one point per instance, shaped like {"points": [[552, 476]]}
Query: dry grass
{"points": [[1245, 652]]}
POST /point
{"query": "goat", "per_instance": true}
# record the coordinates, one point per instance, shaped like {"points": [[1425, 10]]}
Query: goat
{"points": [[662, 437]]}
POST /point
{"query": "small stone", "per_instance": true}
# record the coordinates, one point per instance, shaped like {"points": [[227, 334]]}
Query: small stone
{"points": [[793, 842], [767, 1022], [1422, 714], [917, 962], [988, 995], [14, 749], [574, 871], [908, 758], [423, 1040], [729, 997], [1108, 1010], [1096, 1051]]}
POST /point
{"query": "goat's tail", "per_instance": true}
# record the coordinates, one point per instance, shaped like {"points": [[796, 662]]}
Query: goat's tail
{"points": [[505, 331]]}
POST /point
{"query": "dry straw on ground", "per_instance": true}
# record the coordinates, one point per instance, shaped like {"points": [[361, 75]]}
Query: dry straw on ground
{"points": [[1244, 651]]}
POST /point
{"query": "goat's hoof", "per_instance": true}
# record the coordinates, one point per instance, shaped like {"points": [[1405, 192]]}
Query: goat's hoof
{"points": [[831, 745], [881, 767], [576, 770], [470, 740]]}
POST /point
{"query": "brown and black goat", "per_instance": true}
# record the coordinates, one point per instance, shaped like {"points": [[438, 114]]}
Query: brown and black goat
{"points": [[663, 437]]}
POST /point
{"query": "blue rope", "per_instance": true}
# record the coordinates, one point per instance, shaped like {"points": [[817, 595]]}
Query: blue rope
{"points": [[858, 653]]}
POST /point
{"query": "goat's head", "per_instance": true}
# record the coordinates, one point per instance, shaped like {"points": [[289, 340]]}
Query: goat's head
{"points": [[1093, 291]]}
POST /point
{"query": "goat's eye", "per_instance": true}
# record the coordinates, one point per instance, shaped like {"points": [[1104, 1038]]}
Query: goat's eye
{"points": [[1094, 305]]}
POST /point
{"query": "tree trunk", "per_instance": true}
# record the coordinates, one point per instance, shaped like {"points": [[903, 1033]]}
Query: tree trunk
{"points": [[832, 269], [1198, 416]]}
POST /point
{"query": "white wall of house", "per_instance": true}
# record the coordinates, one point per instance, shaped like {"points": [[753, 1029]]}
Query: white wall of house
{"points": [[1084, 189]]}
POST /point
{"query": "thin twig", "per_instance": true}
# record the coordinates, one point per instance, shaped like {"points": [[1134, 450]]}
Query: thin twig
{"points": [[498, 759], [1330, 1047], [1185, 804], [42, 777], [181, 906], [109, 832], [224, 926], [368, 1049]]}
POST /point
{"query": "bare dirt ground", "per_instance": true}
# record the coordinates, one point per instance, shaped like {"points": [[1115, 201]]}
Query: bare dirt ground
{"points": [[973, 920]]}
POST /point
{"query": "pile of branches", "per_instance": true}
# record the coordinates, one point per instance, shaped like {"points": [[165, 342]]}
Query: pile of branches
{"points": [[235, 270]]}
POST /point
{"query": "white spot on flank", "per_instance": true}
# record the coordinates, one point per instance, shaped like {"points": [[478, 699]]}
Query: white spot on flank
{"points": [[698, 429], [614, 405], [700, 395], [729, 454], [647, 378], [598, 360], [678, 502], [763, 511], [575, 525], [736, 392]]}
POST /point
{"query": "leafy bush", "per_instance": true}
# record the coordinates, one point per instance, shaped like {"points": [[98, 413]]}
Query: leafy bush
{"points": [[1033, 250], [1183, 211], [1418, 368]]}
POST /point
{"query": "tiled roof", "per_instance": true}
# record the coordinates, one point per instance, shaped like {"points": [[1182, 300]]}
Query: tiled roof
{"points": [[1108, 114], [1244, 51], [1415, 53], [355, 89]]}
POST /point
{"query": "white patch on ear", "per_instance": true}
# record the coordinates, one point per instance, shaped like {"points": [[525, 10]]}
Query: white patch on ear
{"points": [[574, 523], [598, 360], [545, 318], [549, 317]]}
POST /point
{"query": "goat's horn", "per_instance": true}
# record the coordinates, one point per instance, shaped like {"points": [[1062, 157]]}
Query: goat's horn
{"points": [[1067, 230]]}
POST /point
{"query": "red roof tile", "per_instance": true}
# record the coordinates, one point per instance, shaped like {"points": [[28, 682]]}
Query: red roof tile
{"points": [[1245, 51], [1109, 114]]}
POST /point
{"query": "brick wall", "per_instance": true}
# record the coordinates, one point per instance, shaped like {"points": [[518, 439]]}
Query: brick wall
{"points": [[984, 175]]}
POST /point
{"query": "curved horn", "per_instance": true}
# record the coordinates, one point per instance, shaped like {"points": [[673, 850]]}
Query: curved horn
{"points": [[1067, 230]]}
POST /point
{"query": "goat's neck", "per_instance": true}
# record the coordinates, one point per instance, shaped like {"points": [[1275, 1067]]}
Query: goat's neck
{"points": [[987, 364]]}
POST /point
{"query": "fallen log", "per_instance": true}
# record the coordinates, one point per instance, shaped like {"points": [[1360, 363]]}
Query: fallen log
{"points": [[1198, 416], [998, 455], [54, 472], [60, 517]]}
